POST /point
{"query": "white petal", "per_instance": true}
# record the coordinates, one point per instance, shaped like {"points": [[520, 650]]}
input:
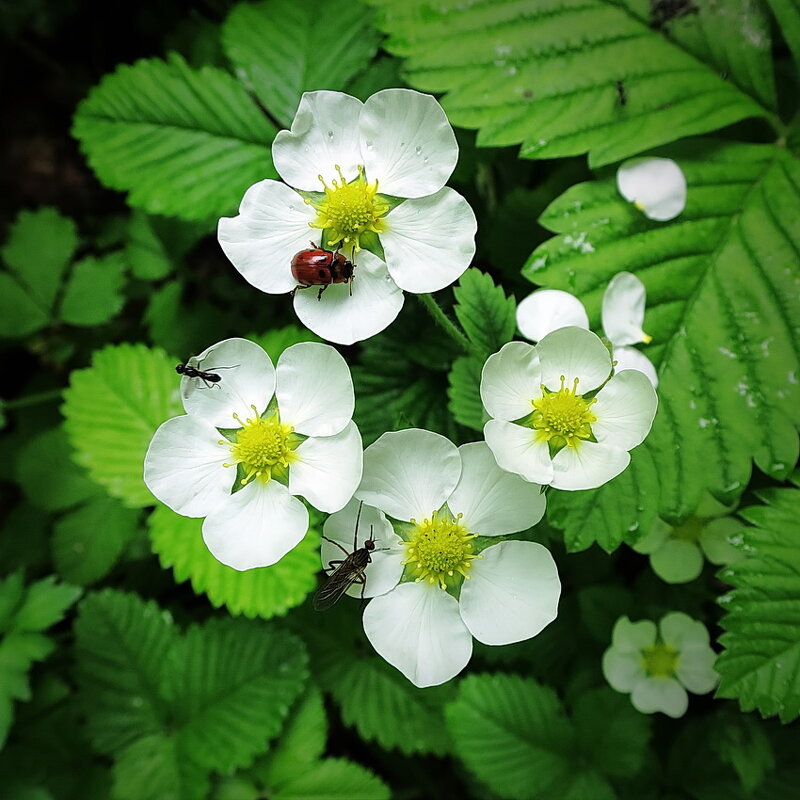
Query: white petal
{"points": [[631, 358], [409, 474], [695, 668], [573, 353], [494, 502], [632, 637], [679, 630], [623, 310], [247, 380], [417, 628], [677, 561], [328, 469], [656, 186], [184, 468], [548, 310], [510, 380], [654, 538], [516, 449], [588, 466], [716, 537], [407, 143], [512, 593], [625, 408], [346, 318], [429, 242], [324, 134], [314, 389], [660, 694], [272, 226], [386, 567], [256, 527], [623, 670]]}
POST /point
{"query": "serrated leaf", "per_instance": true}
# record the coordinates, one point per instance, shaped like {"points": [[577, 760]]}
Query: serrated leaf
{"points": [[281, 48], [24, 613], [464, 392], [760, 666], [188, 704], [48, 476], [722, 306], [152, 128], [513, 734], [112, 410], [93, 293], [485, 313], [20, 314], [88, 541], [334, 779], [263, 592], [546, 74]]}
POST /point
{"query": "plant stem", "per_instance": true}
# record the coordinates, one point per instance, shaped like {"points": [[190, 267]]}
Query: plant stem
{"points": [[34, 399], [444, 322]]}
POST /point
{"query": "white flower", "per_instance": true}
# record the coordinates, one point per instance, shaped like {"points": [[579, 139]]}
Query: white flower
{"points": [[548, 310], [557, 417], [251, 442], [439, 581], [676, 553], [657, 666], [357, 175], [656, 186]]}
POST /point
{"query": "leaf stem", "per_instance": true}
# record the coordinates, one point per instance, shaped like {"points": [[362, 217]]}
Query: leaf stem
{"points": [[444, 322], [33, 399]]}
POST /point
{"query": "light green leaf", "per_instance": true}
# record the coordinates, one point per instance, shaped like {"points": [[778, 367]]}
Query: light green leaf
{"points": [[547, 75], [281, 48], [24, 613], [722, 306], [40, 245], [47, 475], [93, 293], [183, 142], [39, 248], [334, 779], [112, 410], [263, 592], [464, 392], [88, 541], [513, 734], [760, 666], [485, 313]]}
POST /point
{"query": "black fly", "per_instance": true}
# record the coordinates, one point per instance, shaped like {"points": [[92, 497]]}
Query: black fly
{"points": [[191, 371], [622, 95], [347, 571]]}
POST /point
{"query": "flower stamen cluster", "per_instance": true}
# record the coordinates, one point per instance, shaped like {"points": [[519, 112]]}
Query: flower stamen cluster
{"points": [[659, 660], [562, 418], [439, 549], [348, 210], [262, 446]]}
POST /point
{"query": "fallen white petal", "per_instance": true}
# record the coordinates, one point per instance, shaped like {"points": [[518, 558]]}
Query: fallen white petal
{"points": [[547, 310], [656, 186]]}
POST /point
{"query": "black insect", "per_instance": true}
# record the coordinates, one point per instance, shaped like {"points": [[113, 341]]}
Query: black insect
{"points": [[208, 377], [622, 94], [346, 571]]}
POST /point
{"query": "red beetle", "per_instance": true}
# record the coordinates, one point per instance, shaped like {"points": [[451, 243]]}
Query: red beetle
{"points": [[320, 267]]}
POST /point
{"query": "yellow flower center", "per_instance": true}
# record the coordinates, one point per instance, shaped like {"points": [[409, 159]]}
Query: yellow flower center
{"points": [[690, 530], [440, 549], [563, 417], [262, 446], [660, 660], [349, 209]]}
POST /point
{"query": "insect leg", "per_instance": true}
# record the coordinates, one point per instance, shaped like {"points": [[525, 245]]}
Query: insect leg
{"points": [[337, 544]]}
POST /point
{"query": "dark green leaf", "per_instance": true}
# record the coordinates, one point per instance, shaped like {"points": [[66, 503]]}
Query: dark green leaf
{"points": [[485, 313], [93, 293]]}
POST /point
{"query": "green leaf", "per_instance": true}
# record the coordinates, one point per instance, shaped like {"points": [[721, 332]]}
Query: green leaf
{"points": [[40, 246], [787, 12], [547, 75], [93, 294], [185, 705], [183, 142], [277, 340], [464, 392], [48, 476], [88, 541], [513, 734], [487, 316], [281, 48], [155, 245], [722, 300], [334, 779], [24, 613], [760, 666], [112, 410], [263, 592]]}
